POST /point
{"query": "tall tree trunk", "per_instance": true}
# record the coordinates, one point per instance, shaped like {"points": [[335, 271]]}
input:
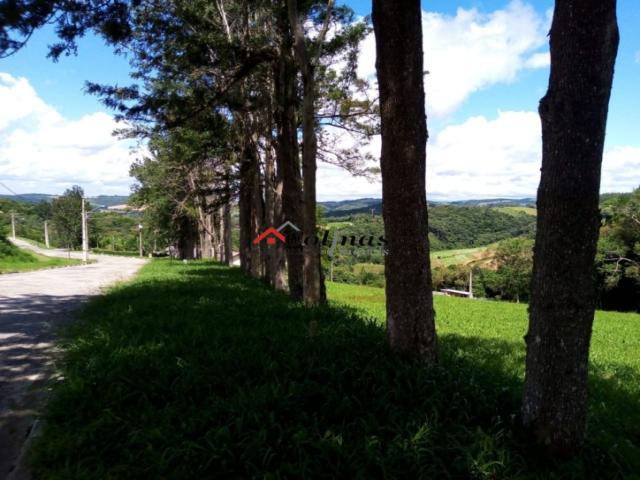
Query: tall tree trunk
{"points": [[227, 258], [273, 217], [289, 166], [216, 230], [313, 283], [245, 205], [187, 237], [257, 214], [410, 315], [584, 43], [206, 239]]}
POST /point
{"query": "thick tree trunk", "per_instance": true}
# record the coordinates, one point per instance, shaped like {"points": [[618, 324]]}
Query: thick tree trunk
{"points": [[584, 42], [187, 234], [289, 167], [410, 315], [313, 288]]}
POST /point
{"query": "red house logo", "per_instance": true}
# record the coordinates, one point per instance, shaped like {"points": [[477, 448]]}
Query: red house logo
{"points": [[271, 234]]}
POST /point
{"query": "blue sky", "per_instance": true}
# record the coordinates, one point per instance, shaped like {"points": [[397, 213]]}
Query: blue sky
{"points": [[482, 97]]}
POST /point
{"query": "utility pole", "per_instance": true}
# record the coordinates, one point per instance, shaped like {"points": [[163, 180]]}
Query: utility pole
{"points": [[13, 225], [140, 237], [85, 235], [46, 233], [471, 283]]}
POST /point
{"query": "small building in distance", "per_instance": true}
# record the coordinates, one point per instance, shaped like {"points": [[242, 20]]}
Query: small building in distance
{"points": [[450, 292]]}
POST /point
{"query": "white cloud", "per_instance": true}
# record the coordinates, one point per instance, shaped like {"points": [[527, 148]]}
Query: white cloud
{"points": [[538, 60], [21, 103], [482, 158], [486, 158], [333, 183], [42, 151], [472, 50], [621, 169]]}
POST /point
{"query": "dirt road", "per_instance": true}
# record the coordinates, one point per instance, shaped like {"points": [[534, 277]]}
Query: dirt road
{"points": [[32, 306]]}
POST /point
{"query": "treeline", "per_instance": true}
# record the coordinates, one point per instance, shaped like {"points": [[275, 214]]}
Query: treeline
{"points": [[108, 231]]}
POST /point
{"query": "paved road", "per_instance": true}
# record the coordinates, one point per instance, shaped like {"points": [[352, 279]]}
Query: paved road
{"points": [[32, 306]]}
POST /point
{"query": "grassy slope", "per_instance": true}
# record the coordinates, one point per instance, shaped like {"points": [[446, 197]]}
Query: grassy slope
{"points": [[13, 259], [463, 256], [445, 258], [516, 210], [615, 359], [195, 371], [616, 336]]}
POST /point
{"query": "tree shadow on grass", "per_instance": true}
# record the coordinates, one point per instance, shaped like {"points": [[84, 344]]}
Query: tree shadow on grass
{"points": [[612, 449], [220, 377]]}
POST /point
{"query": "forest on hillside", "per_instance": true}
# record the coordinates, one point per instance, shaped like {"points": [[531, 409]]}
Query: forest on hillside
{"points": [[450, 226], [503, 269]]}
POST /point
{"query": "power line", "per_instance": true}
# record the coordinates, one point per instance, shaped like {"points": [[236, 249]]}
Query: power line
{"points": [[12, 192]]}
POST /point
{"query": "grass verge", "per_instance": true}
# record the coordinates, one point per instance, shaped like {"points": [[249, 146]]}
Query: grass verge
{"points": [[196, 371], [13, 259]]}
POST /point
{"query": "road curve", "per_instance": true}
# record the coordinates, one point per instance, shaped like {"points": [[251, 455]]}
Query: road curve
{"points": [[32, 306]]}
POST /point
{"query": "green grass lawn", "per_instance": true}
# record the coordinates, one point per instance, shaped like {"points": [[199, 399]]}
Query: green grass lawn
{"points": [[615, 341], [13, 259], [196, 371]]}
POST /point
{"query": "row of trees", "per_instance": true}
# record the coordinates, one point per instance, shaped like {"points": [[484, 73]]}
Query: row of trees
{"points": [[225, 88], [224, 91]]}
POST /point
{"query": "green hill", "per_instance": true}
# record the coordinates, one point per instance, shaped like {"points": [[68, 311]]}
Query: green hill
{"points": [[452, 226]]}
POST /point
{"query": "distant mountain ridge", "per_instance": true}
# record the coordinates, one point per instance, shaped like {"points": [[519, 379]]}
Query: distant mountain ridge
{"points": [[333, 208], [100, 201], [29, 197], [106, 201], [374, 205]]}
